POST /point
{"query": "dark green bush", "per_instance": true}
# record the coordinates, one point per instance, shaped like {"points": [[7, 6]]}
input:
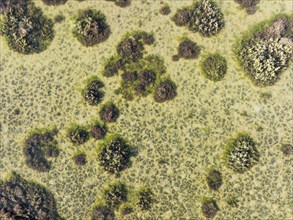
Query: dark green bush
{"points": [[38, 146], [287, 149], [121, 3], [214, 67], [77, 134], [91, 27], [25, 27], [114, 155]]}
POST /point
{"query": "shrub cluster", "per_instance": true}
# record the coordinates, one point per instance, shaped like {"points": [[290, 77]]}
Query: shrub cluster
{"points": [[38, 146], [21, 199], [79, 159], [25, 27], [241, 153], [265, 53], [102, 212], [91, 27], [166, 90], [214, 67], [204, 17]]}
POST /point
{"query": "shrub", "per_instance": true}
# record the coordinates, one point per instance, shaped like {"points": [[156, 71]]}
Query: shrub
{"points": [[79, 159], [91, 27], [145, 198], [109, 113], [287, 149], [241, 153], [214, 67], [102, 212], [126, 209], [114, 155], [59, 18], [77, 134], [188, 49], [204, 17], [54, 2], [165, 91], [121, 3], [165, 10], [115, 194], [214, 179], [25, 27], [98, 131], [249, 5], [92, 93], [130, 49], [209, 208], [39, 145], [232, 201], [22, 199]]}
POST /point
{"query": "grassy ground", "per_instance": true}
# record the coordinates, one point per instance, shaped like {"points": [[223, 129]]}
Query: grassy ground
{"points": [[189, 133]]}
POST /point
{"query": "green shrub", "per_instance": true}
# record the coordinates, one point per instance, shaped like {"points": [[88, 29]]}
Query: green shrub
{"points": [[91, 27], [188, 49], [214, 67], [98, 131], [25, 27], [241, 153], [287, 149]]}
